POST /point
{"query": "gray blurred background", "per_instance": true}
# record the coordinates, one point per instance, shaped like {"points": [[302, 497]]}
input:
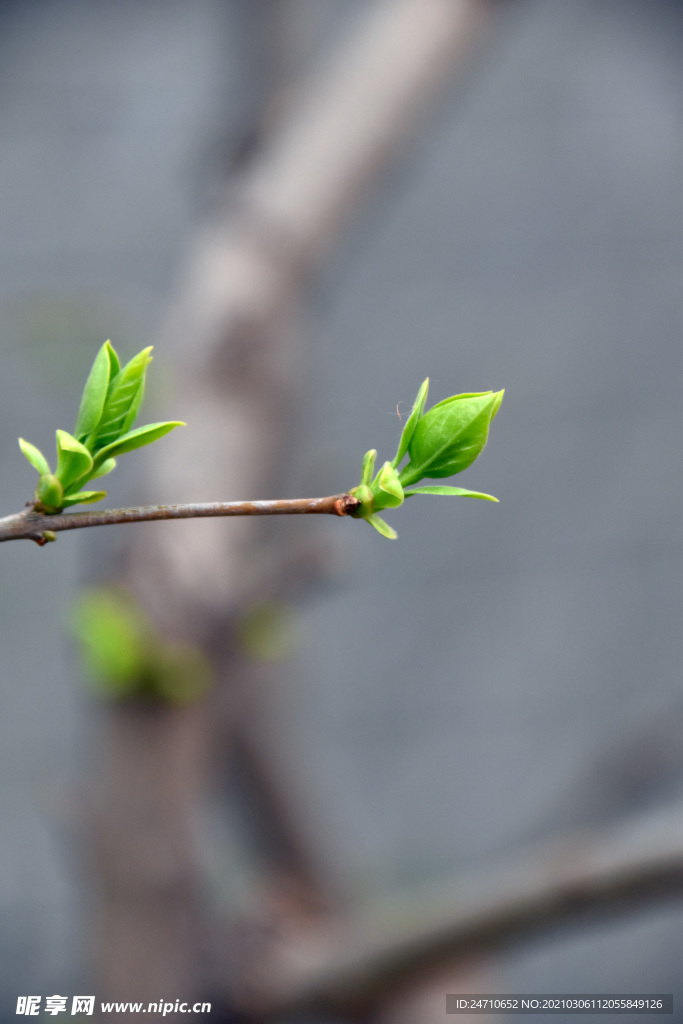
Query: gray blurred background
{"points": [[502, 673]]}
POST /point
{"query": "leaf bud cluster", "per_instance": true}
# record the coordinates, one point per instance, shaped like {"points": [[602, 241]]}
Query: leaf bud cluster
{"points": [[434, 444], [104, 429]]}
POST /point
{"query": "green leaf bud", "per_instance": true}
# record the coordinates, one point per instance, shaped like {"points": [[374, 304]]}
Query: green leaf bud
{"points": [[73, 459], [111, 399], [449, 437], [441, 442], [366, 499], [50, 492], [386, 488]]}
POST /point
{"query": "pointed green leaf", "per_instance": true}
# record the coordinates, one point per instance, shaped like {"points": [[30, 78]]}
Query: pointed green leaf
{"points": [[499, 399], [114, 364], [35, 457], [465, 394], [449, 490], [134, 406], [449, 437], [387, 489], [136, 439], [368, 467], [105, 468], [95, 392], [123, 395], [74, 460], [382, 527], [411, 422], [82, 498]]}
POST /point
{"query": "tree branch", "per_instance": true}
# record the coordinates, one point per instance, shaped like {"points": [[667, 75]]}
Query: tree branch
{"points": [[31, 525], [238, 355], [353, 966], [240, 367]]}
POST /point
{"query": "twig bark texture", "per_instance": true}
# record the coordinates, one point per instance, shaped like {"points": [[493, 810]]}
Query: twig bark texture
{"points": [[31, 525]]}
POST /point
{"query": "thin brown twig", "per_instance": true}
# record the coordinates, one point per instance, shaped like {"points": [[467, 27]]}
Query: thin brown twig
{"points": [[32, 525]]}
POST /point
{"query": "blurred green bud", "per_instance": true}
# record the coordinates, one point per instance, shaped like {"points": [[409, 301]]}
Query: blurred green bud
{"points": [[127, 658], [112, 639], [268, 631], [181, 674]]}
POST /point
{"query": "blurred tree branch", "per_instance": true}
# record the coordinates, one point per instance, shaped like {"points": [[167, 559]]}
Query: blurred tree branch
{"points": [[353, 965], [238, 363], [238, 372]]}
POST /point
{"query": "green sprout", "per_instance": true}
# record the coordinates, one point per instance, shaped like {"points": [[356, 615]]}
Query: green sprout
{"points": [[110, 402], [439, 443], [435, 444]]}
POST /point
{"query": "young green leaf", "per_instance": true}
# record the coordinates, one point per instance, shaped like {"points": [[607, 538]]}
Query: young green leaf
{"points": [[497, 403], [95, 392], [134, 406], [411, 422], [368, 466], [102, 470], [35, 457], [387, 489], [82, 498], [135, 439], [114, 364], [123, 395], [444, 489], [449, 437], [74, 460], [382, 527]]}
